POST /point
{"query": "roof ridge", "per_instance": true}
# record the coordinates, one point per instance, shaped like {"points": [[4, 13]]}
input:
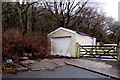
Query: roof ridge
{"points": [[69, 30]]}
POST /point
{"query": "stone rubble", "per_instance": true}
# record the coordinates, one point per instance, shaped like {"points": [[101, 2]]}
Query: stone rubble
{"points": [[48, 64]]}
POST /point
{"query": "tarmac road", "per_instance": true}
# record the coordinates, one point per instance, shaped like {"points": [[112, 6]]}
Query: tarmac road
{"points": [[61, 72]]}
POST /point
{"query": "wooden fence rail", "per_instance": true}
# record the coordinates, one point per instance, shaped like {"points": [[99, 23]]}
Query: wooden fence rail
{"points": [[99, 51]]}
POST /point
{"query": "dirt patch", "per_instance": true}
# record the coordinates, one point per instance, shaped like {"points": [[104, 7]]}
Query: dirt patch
{"points": [[35, 65], [49, 64]]}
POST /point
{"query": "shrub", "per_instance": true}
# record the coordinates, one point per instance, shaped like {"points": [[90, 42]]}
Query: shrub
{"points": [[14, 44]]}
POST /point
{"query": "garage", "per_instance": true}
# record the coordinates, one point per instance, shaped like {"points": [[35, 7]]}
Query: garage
{"points": [[61, 46], [64, 41]]}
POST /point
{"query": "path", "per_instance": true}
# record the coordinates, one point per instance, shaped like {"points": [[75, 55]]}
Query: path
{"points": [[108, 68], [61, 72]]}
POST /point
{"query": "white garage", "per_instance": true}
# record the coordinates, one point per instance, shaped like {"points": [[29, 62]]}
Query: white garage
{"points": [[63, 41]]}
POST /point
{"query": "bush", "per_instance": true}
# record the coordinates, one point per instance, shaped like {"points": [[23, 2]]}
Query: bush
{"points": [[15, 44]]}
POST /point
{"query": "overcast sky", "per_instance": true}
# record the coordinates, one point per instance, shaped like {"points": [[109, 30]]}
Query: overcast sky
{"points": [[110, 7]]}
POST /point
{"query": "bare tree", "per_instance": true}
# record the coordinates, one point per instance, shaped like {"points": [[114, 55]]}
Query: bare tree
{"points": [[44, 16], [63, 12], [17, 12]]}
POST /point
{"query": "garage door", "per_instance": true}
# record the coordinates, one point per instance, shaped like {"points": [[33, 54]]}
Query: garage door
{"points": [[61, 46]]}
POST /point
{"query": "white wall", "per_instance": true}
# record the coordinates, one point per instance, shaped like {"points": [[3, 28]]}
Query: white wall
{"points": [[85, 40]]}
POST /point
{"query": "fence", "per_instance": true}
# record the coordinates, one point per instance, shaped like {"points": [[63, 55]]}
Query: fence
{"points": [[99, 51]]}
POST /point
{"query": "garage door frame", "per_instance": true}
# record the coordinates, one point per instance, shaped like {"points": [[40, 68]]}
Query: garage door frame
{"points": [[52, 53]]}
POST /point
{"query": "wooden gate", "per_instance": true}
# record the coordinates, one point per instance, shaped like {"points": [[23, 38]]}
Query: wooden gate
{"points": [[93, 51]]}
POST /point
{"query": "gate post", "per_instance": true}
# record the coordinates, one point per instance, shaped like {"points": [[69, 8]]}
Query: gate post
{"points": [[119, 51], [77, 50]]}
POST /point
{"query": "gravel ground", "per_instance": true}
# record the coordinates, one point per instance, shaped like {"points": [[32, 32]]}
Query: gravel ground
{"points": [[48, 64], [107, 67]]}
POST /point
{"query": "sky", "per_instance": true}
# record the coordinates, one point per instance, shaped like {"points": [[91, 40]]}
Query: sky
{"points": [[110, 7]]}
